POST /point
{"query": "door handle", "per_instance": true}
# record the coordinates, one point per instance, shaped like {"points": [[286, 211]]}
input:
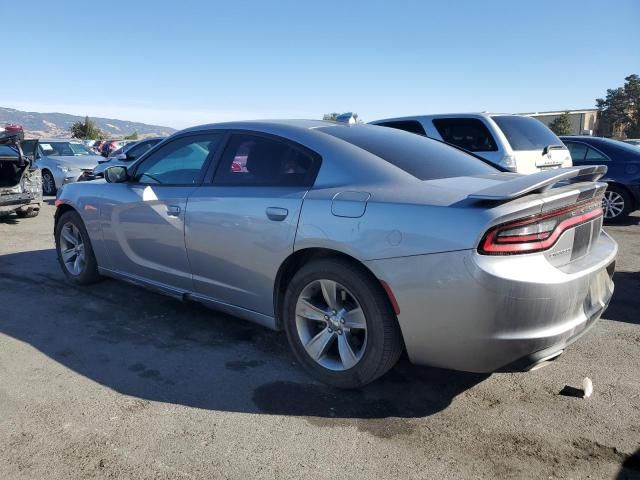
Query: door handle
{"points": [[277, 214], [173, 210]]}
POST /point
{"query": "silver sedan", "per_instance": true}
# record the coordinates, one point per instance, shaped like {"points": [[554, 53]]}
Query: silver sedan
{"points": [[358, 241]]}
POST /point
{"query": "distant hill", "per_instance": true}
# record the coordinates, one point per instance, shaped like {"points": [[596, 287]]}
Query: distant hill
{"points": [[57, 124]]}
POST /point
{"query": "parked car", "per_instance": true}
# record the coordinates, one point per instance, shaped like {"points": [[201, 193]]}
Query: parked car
{"points": [[126, 154], [358, 241], [62, 161], [111, 146], [519, 143], [97, 147], [623, 175], [20, 180]]}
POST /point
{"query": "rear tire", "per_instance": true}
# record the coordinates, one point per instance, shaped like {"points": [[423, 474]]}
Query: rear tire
{"points": [[617, 204], [354, 353], [74, 250], [28, 213]]}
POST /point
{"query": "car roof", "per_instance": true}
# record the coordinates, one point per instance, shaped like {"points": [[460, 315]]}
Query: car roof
{"points": [[447, 115], [300, 124]]}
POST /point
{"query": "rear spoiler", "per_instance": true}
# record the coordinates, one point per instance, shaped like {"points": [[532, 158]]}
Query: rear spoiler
{"points": [[538, 182]]}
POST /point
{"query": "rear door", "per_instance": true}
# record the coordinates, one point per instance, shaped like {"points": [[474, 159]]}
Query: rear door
{"points": [[241, 225], [144, 218], [535, 147]]}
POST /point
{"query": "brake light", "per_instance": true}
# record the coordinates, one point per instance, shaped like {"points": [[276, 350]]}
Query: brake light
{"points": [[538, 232]]}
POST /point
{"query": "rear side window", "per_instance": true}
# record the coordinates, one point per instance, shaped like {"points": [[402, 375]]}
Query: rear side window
{"points": [[421, 157], [412, 126], [526, 133], [577, 151], [468, 133], [252, 160]]}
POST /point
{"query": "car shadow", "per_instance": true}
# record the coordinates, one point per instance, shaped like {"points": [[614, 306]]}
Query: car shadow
{"points": [[624, 304], [157, 348], [630, 468]]}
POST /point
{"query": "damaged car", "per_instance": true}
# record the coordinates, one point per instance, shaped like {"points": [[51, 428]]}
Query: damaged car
{"points": [[359, 241], [20, 179]]}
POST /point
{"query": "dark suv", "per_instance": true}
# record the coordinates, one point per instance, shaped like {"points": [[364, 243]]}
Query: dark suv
{"points": [[20, 180]]}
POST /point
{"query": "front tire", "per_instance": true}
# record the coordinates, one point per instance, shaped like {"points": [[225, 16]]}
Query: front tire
{"points": [[74, 250], [617, 204], [48, 183], [340, 324]]}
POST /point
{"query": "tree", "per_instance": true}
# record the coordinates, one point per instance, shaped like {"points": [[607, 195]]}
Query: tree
{"points": [[562, 125], [85, 130], [133, 136], [620, 109], [330, 116]]}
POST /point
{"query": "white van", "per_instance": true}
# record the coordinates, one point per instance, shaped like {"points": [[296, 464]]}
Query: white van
{"points": [[521, 144]]}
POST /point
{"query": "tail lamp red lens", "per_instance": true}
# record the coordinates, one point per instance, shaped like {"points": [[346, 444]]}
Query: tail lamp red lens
{"points": [[538, 232]]}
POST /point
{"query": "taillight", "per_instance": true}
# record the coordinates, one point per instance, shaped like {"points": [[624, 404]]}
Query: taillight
{"points": [[11, 127], [538, 232]]}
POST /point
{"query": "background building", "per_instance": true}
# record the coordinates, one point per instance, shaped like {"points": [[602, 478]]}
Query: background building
{"points": [[584, 122]]}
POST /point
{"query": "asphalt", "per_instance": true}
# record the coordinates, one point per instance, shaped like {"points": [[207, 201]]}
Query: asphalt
{"points": [[113, 381]]}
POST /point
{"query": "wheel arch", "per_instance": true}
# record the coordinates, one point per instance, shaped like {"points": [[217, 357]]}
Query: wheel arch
{"points": [[60, 210], [294, 262]]}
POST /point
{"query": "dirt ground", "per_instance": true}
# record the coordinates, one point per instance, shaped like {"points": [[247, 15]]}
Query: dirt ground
{"points": [[113, 381]]}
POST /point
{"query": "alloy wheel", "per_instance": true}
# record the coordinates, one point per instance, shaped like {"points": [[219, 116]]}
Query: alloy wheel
{"points": [[613, 204], [331, 325], [72, 249], [48, 184]]}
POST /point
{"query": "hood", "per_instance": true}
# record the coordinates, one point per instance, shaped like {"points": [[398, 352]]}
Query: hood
{"points": [[86, 162]]}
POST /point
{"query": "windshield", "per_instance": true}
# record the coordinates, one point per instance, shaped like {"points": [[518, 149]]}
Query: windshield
{"points": [[424, 158], [526, 133], [65, 148]]}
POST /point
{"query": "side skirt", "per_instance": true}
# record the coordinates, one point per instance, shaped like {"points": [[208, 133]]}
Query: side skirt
{"points": [[250, 315]]}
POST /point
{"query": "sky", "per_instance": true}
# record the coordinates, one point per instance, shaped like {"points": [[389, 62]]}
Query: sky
{"points": [[184, 63]]}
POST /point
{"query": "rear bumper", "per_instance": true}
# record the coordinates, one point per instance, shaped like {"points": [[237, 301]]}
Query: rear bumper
{"points": [[13, 201], [465, 311]]}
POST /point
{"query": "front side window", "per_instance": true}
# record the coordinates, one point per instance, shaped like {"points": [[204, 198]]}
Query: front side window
{"points": [[179, 162], [261, 161], [137, 150], [468, 133]]}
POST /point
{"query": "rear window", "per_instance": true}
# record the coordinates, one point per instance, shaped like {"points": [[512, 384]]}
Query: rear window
{"points": [[526, 133], [421, 157]]}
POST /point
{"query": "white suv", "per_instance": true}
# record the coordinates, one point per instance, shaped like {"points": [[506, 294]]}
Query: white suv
{"points": [[519, 143]]}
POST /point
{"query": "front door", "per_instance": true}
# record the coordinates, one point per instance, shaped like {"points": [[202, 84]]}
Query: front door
{"points": [[144, 223]]}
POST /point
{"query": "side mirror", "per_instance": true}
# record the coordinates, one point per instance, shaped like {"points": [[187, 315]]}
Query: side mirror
{"points": [[116, 174], [129, 158]]}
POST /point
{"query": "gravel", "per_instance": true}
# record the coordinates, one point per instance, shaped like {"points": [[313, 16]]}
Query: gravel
{"points": [[113, 381]]}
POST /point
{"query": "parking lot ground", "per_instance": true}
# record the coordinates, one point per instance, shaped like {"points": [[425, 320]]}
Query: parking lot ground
{"points": [[113, 381]]}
